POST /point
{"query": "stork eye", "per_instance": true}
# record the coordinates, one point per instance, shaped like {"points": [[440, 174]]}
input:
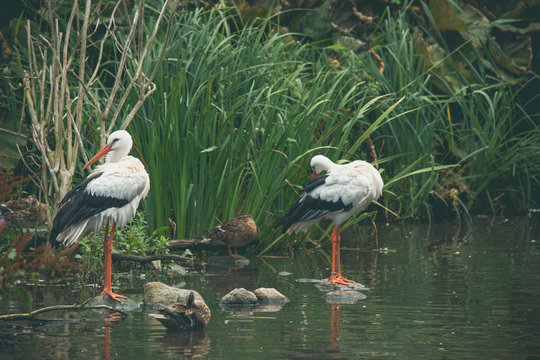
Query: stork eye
{"points": [[115, 140]]}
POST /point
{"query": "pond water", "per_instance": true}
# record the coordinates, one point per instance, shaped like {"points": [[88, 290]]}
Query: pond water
{"points": [[439, 292]]}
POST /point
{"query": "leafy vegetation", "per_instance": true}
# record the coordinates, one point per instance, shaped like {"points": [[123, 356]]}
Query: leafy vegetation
{"points": [[239, 105], [133, 239]]}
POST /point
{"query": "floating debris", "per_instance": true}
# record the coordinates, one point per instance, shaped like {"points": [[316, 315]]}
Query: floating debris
{"points": [[385, 250], [225, 261], [303, 280]]}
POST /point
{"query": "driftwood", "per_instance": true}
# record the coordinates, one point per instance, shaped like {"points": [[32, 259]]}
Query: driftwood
{"points": [[32, 315], [149, 258]]}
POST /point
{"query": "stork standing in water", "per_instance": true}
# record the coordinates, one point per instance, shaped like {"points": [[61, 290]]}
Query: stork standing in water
{"points": [[110, 195], [344, 190]]}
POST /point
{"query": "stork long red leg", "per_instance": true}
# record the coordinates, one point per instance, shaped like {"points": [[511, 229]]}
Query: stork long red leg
{"points": [[108, 246], [335, 277], [333, 237]]}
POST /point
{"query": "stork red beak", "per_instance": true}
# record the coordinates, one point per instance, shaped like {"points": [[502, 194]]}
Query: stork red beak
{"points": [[99, 155], [314, 175]]}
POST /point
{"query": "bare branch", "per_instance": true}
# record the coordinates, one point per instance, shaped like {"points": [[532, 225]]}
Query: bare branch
{"points": [[32, 315]]}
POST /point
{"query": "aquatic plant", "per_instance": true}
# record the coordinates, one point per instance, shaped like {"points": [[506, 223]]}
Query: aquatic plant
{"points": [[238, 115], [481, 126]]}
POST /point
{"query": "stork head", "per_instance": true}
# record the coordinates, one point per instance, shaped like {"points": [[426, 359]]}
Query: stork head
{"points": [[320, 163], [118, 145]]}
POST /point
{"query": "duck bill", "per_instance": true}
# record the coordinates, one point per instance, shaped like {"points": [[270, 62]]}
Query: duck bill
{"points": [[99, 155]]}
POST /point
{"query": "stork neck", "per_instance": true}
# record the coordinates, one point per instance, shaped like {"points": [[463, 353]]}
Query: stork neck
{"points": [[115, 156]]}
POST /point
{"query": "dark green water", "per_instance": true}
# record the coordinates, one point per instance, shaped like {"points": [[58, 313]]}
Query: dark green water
{"points": [[445, 292]]}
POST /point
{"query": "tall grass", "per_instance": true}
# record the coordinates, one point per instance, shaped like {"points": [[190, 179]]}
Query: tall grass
{"points": [[236, 119], [240, 109], [479, 127]]}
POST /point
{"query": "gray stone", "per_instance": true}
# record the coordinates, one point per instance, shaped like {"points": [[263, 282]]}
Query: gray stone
{"points": [[326, 285], [344, 296], [157, 295], [124, 304], [239, 296], [270, 296]]}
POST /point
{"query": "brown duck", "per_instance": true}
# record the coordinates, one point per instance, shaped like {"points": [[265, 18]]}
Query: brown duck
{"points": [[22, 213], [234, 233], [188, 315]]}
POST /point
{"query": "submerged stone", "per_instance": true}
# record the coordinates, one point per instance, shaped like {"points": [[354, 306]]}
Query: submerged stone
{"points": [[344, 296], [123, 304]]}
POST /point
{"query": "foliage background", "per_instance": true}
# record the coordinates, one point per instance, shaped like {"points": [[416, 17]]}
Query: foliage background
{"points": [[441, 95]]}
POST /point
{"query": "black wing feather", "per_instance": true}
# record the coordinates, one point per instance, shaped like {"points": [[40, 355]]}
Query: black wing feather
{"points": [[309, 208], [79, 205]]}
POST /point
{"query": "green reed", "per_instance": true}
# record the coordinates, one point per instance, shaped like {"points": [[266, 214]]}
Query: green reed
{"points": [[236, 118], [480, 128], [240, 110]]}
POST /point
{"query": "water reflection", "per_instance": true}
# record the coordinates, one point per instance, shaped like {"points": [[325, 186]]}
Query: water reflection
{"points": [[334, 326], [220, 280], [185, 345], [439, 292]]}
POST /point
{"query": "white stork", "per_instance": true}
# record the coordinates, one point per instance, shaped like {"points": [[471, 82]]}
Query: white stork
{"points": [[110, 194], [344, 190]]}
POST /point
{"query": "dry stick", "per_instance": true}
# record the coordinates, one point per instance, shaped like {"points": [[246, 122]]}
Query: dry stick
{"points": [[149, 258], [105, 131], [32, 315], [151, 87]]}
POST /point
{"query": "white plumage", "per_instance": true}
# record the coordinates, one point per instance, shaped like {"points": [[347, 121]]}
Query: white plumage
{"points": [[344, 190], [112, 192], [109, 195]]}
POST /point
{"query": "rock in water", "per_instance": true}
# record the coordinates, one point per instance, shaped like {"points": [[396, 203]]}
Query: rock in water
{"points": [[344, 296], [239, 296], [157, 295], [270, 296]]}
